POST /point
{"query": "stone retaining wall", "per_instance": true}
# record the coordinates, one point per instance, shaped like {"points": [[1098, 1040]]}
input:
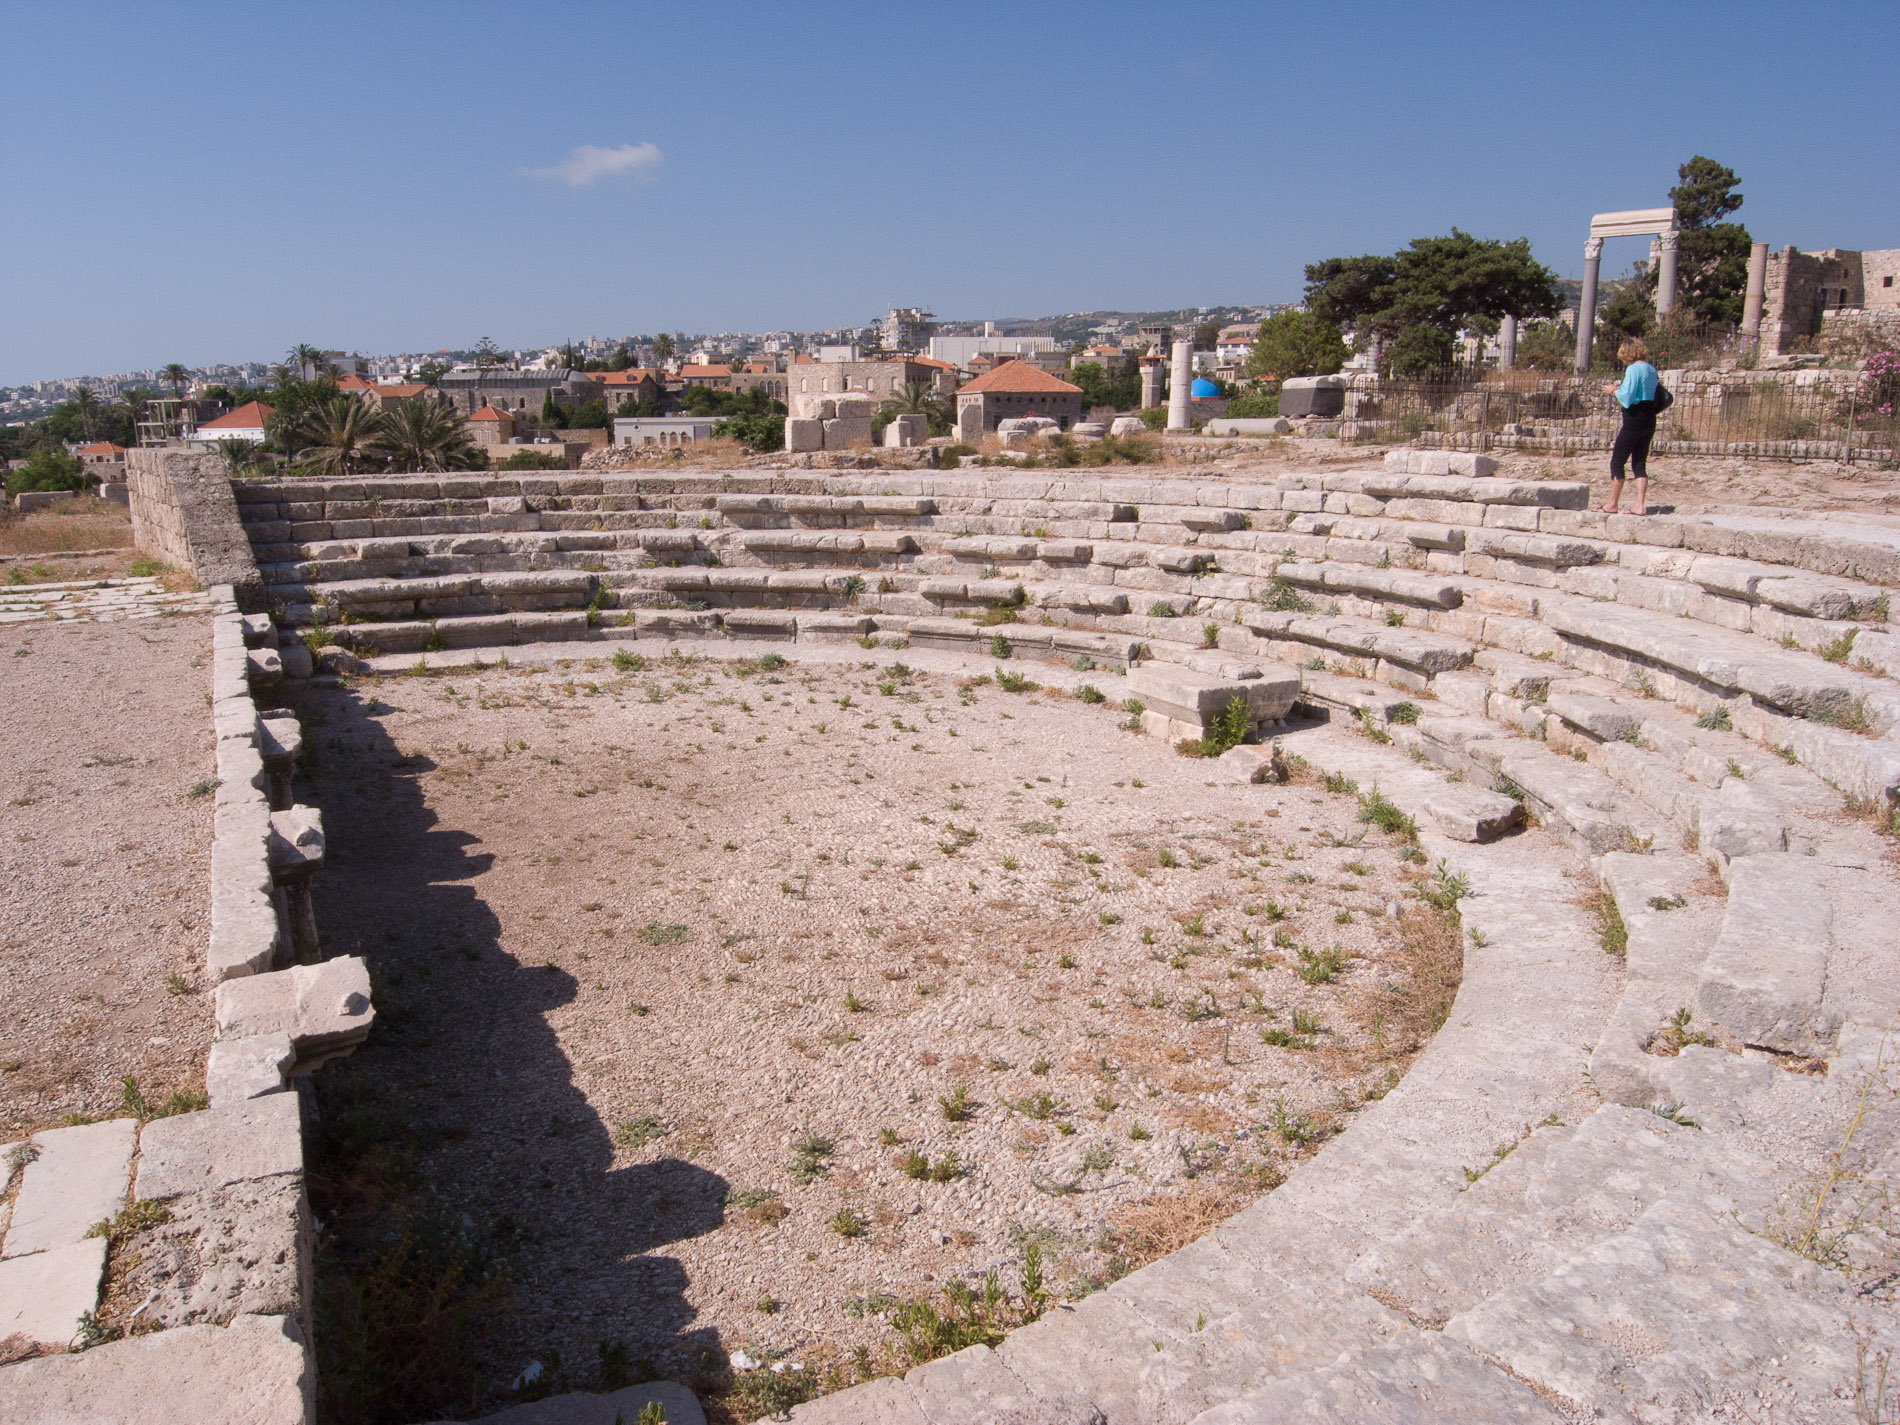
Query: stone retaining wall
{"points": [[183, 513], [222, 1250]]}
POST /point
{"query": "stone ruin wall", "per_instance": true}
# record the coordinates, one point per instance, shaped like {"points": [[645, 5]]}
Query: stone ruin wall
{"points": [[184, 515]]}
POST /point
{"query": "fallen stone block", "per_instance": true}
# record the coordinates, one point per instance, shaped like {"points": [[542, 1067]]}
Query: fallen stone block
{"points": [[1197, 698], [1240, 425], [324, 1008], [296, 842], [760, 623], [1767, 972], [1468, 813], [1250, 763], [78, 1179], [43, 1296], [215, 1147], [252, 1372], [241, 1069]]}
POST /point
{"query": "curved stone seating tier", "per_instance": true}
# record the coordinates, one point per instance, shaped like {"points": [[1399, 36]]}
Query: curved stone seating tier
{"points": [[1652, 694]]}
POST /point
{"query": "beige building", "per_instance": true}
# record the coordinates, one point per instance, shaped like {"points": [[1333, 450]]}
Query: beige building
{"points": [[1016, 388], [1803, 291], [884, 380]]}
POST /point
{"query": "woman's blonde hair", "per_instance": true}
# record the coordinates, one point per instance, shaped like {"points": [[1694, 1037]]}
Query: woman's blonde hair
{"points": [[1635, 349]]}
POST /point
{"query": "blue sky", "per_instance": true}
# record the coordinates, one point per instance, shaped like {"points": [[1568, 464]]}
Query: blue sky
{"points": [[208, 181]]}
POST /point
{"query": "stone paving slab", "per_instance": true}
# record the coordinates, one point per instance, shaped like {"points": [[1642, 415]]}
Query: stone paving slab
{"points": [[1766, 974], [191, 1152], [252, 1372], [42, 1296], [78, 1179], [1422, 1379]]}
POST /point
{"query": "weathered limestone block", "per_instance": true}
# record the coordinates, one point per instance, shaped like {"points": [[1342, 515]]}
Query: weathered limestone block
{"points": [[1468, 813], [252, 1372], [1064, 551], [1181, 561], [241, 1069], [1084, 598], [296, 842], [44, 1295], [1767, 972], [215, 1147], [238, 1248], [1197, 698], [1738, 820], [324, 1008], [78, 1178], [760, 623], [804, 433], [1603, 718], [847, 431]]}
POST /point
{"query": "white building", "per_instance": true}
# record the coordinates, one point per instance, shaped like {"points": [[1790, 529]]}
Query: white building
{"points": [[960, 351], [662, 430]]}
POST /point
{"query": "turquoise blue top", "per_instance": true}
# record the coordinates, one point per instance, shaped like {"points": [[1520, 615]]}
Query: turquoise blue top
{"points": [[1639, 384]]}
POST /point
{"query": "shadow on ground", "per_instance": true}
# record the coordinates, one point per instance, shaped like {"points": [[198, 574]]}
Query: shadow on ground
{"points": [[473, 1219]]}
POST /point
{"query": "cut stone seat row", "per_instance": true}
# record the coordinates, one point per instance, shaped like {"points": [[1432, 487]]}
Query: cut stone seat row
{"points": [[444, 595], [1408, 656]]}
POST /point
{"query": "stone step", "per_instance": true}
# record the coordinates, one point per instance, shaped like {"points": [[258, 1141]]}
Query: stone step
{"points": [[1406, 657], [1670, 921], [1553, 1194], [1680, 1307], [1419, 1379], [1765, 978]]}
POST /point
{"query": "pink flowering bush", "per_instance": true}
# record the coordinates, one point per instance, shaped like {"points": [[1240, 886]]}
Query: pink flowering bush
{"points": [[1880, 384]]}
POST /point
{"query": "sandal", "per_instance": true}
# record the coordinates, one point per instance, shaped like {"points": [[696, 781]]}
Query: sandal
{"points": [[1607, 510]]}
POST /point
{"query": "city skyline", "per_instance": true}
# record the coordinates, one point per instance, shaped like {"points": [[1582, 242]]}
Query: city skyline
{"points": [[217, 187]]}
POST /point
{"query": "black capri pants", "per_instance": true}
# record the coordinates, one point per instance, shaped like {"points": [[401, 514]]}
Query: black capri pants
{"points": [[1632, 441]]}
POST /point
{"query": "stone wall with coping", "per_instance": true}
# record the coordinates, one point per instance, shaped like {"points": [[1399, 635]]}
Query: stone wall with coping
{"points": [[230, 1337], [183, 513]]}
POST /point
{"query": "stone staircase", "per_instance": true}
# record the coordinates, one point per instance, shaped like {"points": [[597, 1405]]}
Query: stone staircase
{"points": [[1681, 703]]}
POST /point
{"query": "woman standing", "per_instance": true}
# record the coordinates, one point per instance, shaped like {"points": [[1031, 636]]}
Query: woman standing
{"points": [[1637, 397]]}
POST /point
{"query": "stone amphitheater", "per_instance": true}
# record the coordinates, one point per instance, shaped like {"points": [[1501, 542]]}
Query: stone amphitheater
{"points": [[1639, 1174]]}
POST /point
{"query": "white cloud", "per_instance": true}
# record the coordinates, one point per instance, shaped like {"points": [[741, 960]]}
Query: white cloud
{"points": [[590, 163]]}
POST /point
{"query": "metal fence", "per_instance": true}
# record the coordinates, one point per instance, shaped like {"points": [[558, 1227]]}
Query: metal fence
{"points": [[1801, 414]]}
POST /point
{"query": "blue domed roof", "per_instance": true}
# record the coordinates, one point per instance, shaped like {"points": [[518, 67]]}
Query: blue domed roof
{"points": [[1203, 387]]}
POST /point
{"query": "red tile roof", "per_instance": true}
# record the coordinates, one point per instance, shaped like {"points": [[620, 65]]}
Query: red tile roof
{"points": [[352, 382], [930, 361], [249, 416], [489, 413], [400, 391], [716, 370], [101, 447], [1019, 376], [632, 376]]}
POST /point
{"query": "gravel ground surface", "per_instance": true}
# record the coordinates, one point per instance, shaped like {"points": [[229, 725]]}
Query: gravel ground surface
{"points": [[104, 861], [682, 966]]}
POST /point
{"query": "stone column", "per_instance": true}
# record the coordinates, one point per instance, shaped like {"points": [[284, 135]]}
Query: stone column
{"points": [[1666, 277], [1181, 379], [1757, 288], [1150, 382], [1587, 309], [1507, 344]]}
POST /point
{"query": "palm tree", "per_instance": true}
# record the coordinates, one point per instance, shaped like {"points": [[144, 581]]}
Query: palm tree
{"points": [[334, 437], [306, 360], [88, 407], [920, 398], [662, 347], [424, 434], [176, 374], [134, 399]]}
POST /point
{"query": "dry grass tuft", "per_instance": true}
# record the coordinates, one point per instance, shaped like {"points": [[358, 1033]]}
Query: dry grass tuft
{"points": [[1162, 1225], [75, 524]]}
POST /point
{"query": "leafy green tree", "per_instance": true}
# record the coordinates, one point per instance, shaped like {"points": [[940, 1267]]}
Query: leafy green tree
{"points": [[430, 372], [1207, 335], [50, 469], [1117, 386], [486, 354], [424, 434], [534, 460], [758, 433], [338, 437], [552, 414], [1419, 349], [1711, 255], [1546, 346], [592, 416], [1297, 343], [1444, 283]]}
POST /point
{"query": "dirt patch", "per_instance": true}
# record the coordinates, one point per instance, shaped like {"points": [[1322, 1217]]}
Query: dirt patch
{"points": [[731, 1005], [76, 524], [105, 859]]}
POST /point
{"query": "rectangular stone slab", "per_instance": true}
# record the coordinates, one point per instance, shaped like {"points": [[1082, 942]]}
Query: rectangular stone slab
{"points": [[42, 1296], [1767, 971], [189, 1152], [1197, 697], [78, 1179]]}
